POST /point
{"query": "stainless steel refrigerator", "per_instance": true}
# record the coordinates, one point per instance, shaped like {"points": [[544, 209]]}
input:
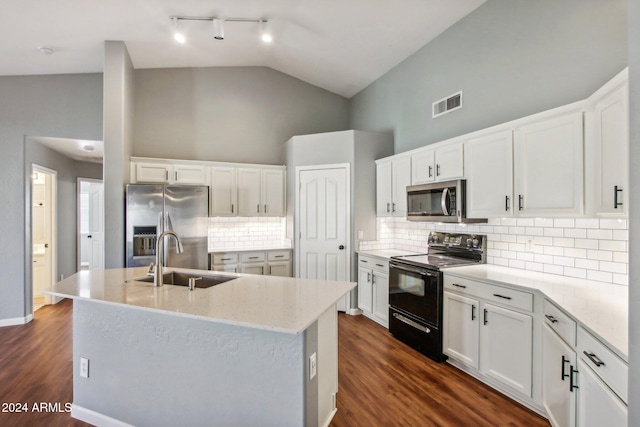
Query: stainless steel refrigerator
{"points": [[152, 209]]}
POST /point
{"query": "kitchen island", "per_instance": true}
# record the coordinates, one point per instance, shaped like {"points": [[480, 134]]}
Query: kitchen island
{"points": [[238, 353]]}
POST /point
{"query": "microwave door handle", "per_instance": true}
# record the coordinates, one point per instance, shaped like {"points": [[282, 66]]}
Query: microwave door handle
{"points": [[443, 202]]}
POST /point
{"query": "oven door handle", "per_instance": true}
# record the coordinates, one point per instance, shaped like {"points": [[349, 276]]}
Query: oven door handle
{"points": [[443, 202], [413, 270], [411, 323]]}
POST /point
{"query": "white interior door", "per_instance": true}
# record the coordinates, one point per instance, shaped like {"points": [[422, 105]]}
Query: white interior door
{"points": [[323, 221], [43, 234], [96, 225]]}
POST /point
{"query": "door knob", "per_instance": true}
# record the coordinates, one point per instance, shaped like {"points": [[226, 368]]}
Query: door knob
{"points": [[341, 247], [89, 236]]}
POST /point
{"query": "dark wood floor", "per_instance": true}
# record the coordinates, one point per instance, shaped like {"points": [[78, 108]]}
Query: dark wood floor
{"points": [[382, 382]]}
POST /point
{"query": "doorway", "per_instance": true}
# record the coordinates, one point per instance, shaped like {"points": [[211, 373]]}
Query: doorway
{"points": [[323, 223], [43, 233], [90, 224]]}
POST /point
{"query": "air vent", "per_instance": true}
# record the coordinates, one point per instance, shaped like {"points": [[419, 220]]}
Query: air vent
{"points": [[447, 104]]}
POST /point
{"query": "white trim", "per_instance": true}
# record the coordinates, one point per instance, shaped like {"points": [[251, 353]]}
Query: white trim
{"points": [[16, 321], [331, 415], [96, 418]]}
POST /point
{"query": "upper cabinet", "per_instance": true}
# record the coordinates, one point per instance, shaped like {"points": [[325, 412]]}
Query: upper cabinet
{"points": [[437, 164], [488, 163], [224, 191], [610, 129], [548, 165], [167, 172], [392, 178], [261, 192]]}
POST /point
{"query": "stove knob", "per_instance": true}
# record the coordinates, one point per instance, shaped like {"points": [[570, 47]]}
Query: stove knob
{"points": [[469, 242], [475, 243]]}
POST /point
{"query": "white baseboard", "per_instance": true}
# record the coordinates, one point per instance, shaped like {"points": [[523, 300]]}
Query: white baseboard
{"points": [[16, 321], [95, 418]]}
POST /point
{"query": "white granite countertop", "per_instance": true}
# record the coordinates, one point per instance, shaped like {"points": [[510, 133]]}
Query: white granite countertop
{"points": [[601, 308], [272, 303], [386, 253]]}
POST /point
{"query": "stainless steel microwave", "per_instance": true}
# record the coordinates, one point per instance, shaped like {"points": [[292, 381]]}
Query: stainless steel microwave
{"points": [[438, 202]]}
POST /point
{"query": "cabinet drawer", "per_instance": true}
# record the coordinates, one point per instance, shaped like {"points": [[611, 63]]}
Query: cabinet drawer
{"points": [[278, 255], [252, 257], [496, 294], [224, 258], [375, 263], [562, 324], [604, 362]]}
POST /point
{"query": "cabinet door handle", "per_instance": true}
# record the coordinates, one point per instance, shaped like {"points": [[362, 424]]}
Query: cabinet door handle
{"points": [[368, 277], [595, 359], [572, 376], [393, 207], [258, 208], [473, 312], [459, 286], [166, 175], [506, 203], [270, 267], [485, 321], [265, 209], [564, 361], [520, 202], [551, 318], [437, 170], [430, 171], [616, 190], [501, 296], [388, 207], [176, 175], [373, 279]]}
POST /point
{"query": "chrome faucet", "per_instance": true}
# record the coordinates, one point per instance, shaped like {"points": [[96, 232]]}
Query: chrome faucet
{"points": [[157, 276]]}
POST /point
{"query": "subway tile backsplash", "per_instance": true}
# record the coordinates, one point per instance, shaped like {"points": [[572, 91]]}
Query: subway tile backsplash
{"points": [[585, 248], [243, 233]]}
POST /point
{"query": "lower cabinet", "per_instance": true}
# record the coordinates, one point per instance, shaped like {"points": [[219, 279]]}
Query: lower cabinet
{"points": [[598, 405], [558, 380], [272, 263], [496, 341], [373, 288]]}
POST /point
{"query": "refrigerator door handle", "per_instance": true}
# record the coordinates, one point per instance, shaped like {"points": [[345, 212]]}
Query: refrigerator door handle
{"points": [[160, 227], [169, 226]]}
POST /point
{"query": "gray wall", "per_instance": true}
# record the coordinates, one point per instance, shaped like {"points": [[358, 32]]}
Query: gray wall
{"points": [[64, 106], [118, 142], [634, 213], [511, 58], [68, 172], [237, 114]]}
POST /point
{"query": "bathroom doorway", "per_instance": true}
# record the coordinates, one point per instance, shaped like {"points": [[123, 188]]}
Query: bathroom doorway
{"points": [[43, 233]]}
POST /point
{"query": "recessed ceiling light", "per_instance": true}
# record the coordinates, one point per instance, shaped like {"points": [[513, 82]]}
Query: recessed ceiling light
{"points": [[45, 50]]}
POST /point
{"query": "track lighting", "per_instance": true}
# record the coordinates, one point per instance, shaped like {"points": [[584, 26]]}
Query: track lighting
{"points": [[218, 26]]}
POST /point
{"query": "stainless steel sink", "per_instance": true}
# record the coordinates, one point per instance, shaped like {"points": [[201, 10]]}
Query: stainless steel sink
{"points": [[182, 279]]}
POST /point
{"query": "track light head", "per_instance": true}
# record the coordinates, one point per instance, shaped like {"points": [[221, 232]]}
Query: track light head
{"points": [[218, 29], [265, 33], [177, 34]]}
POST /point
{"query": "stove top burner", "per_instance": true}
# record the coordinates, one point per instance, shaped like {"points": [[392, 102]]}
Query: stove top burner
{"points": [[437, 261]]}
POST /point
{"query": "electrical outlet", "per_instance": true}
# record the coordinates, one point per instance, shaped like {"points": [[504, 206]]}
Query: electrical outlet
{"points": [[313, 366], [84, 367], [530, 245]]}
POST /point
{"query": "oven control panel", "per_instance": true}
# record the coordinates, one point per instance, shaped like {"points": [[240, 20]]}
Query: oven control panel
{"points": [[457, 240]]}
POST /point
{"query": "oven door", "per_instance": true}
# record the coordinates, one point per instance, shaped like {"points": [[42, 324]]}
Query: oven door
{"points": [[416, 290]]}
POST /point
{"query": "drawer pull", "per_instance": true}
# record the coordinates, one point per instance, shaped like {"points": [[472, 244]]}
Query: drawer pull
{"points": [[225, 259], [459, 286], [279, 256], [595, 359], [364, 260], [551, 318], [253, 257], [501, 296], [379, 265], [411, 323]]}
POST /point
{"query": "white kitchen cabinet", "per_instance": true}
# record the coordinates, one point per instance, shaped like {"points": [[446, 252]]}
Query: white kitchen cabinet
{"points": [[373, 288], [168, 173], [461, 339], [224, 191], [270, 262], [506, 347], [558, 365], [483, 329], [441, 163], [597, 404], [548, 167], [488, 165], [392, 179], [261, 192], [611, 153]]}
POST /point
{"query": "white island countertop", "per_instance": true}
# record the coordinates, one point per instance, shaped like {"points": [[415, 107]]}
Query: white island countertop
{"points": [[602, 308], [282, 304]]}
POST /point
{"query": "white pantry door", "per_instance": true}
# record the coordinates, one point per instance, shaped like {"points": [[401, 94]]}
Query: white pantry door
{"points": [[323, 224]]}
